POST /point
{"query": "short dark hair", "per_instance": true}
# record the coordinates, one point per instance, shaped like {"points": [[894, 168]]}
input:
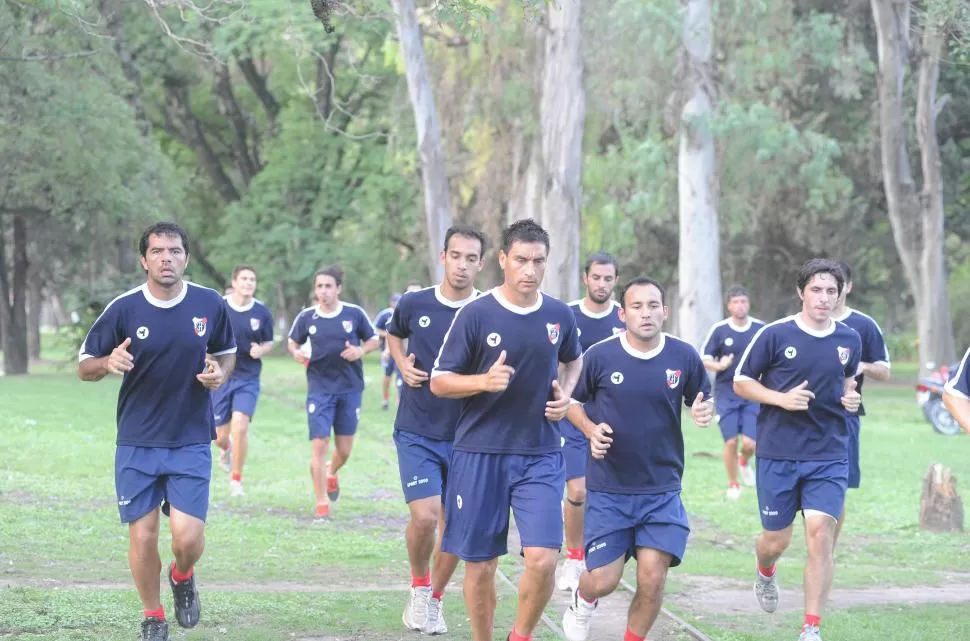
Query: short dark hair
{"points": [[334, 271], [524, 231], [414, 283], [242, 268], [734, 291], [846, 270], [468, 232], [163, 229], [819, 266], [601, 258], [641, 280]]}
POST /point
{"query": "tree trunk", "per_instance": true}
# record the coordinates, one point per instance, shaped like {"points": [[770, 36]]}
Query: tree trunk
{"points": [[562, 115], [35, 303], [15, 291], [699, 277], [940, 507], [917, 222], [434, 178]]}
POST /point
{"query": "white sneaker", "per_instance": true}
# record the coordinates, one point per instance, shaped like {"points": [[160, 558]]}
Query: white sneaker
{"points": [[225, 460], [577, 619], [236, 488], [810, 633], [416, 612], [571, 571], [734, 492], [435, 623], [767, 592], [747, 474]]}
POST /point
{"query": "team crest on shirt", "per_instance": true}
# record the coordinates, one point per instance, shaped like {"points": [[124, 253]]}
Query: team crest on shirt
{"points": [[493, 339], [673, 378], [424, 321], [844, 354], [142, 332], [348, 326], [616, 378], [729, 341], [552, 330], [312, 330], [199, 325], [254, 324]]}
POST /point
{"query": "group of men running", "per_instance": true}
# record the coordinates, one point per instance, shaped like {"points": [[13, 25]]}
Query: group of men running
{"points": [[510, 399]]}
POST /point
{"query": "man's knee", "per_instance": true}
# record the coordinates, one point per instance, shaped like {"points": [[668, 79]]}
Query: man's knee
{"points": [[240, 422], [576, 495], [747, 446], [143, 534], [731, 443], [602, 580], [774, 543], [541, 560], [480, 570], [819, 533], [651, 578], [424, 514]]}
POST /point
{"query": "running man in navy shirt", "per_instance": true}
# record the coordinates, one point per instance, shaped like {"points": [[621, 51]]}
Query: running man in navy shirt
{"points": [[425, 426], [725, 343], [501, 356], [802, 370], [171, 342], [597, 318], [874, 363], [234, 404], [628, 403], [387, 363], [956, 394], [339, 335]]}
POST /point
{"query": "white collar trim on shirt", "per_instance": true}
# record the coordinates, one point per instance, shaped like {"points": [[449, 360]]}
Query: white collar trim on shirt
{"points": [[588, 313], [817, 333], [515, 309], [165, 304], [848, 312], [245, 308], [319, 313], [629, 349], [454, 304], [742, 329]]}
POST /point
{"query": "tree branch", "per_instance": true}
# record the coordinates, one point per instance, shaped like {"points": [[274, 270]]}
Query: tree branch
{"points": [[48, 57], [257, 82]]}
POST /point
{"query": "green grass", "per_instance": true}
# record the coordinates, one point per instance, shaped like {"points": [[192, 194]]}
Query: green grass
{"points": [[268, 573]]}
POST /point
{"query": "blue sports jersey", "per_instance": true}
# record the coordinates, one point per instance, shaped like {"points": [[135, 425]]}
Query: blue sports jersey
{"points": [[536, 339], [782, 355], [380, 323], [423, 318], [161, 403], [593, 327], [329, 334], [640, 396], [874, 349], [725, 338], [252, 324], [959, 383]]}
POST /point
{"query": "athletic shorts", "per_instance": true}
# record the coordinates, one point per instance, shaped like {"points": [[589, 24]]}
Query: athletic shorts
{"points": [[423, 463], [738, 417], [146, 476], [575, 450], [235, 396], [785, 487], [616, 525], [338, 411]]}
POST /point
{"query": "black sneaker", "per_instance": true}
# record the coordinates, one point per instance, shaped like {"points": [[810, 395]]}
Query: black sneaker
{"points": [[186, 596], [153, 629]]}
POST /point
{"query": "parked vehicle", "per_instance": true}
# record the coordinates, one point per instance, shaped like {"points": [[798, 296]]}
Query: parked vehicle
{"points": [[929, 395]]}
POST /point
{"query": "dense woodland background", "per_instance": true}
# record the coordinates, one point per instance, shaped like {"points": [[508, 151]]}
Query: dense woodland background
{"points": [[279, 144]]}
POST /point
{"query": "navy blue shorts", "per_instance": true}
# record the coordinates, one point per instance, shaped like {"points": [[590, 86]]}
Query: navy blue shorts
{"points": [[738, 417], [389, 366], [575, 449], [482, 488], [854, 423], [617, 524], [235, 396], [338, 411], [423, 463], [145, 476], [785, 487]]}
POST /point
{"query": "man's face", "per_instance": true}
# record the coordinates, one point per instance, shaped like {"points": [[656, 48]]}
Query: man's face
{"points": [[524, 266], [326, 289], [245, 283], [600, 281], [819, 296], [738, 307], [462, 261], [643, 311], [165, 259]]}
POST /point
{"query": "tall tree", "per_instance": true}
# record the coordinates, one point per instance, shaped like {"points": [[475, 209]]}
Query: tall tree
{"points": [[916, 215], [699, 277]]}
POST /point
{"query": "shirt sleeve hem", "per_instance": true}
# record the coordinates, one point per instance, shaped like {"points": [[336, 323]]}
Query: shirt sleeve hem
{"points": [[224, 352], [742, 377]]}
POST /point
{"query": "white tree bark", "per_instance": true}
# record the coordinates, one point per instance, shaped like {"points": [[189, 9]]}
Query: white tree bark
{"points": [[437, 198], [916, 218], [699, 275]]}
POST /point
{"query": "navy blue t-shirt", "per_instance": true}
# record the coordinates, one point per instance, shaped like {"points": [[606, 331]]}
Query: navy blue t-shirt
{"points": [[423, 318], [596, 326], [380, 324], [959, 383], [328, 373], [161, 403], [640, 396], [874, 349], [782, 355], [725, 338], [536, 339], [252, 324]]}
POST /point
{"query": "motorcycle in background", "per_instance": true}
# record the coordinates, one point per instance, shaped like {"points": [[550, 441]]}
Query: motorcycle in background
{"points": [[929, 395]]}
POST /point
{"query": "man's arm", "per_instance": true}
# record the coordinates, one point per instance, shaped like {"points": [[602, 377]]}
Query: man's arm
{"points": [[876, 371], [226, 362], [795, 399], [959, 408], [569, 376], [576, 414], [450, 385], [93, 369]]}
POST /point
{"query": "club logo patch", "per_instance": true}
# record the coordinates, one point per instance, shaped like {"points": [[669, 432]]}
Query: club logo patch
{"points": [[790, 352], [254, 324], [142, 332], [729, 341], [673, 378], [616, 378], [424, 321], [552, 331], [312, 330], [844, 354], [199, 325], [348, 326], [493, 339]]}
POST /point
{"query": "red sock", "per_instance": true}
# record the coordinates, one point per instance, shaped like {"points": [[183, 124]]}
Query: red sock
{"points": [[237, 477], [421, 581], [515, 636], [438, 595], [575, 554], [767, 572], [158, 614], [386, 395], [178, 577], [584, 597], [224, 449], [743, 460], [811, 619], [630, 636]]}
